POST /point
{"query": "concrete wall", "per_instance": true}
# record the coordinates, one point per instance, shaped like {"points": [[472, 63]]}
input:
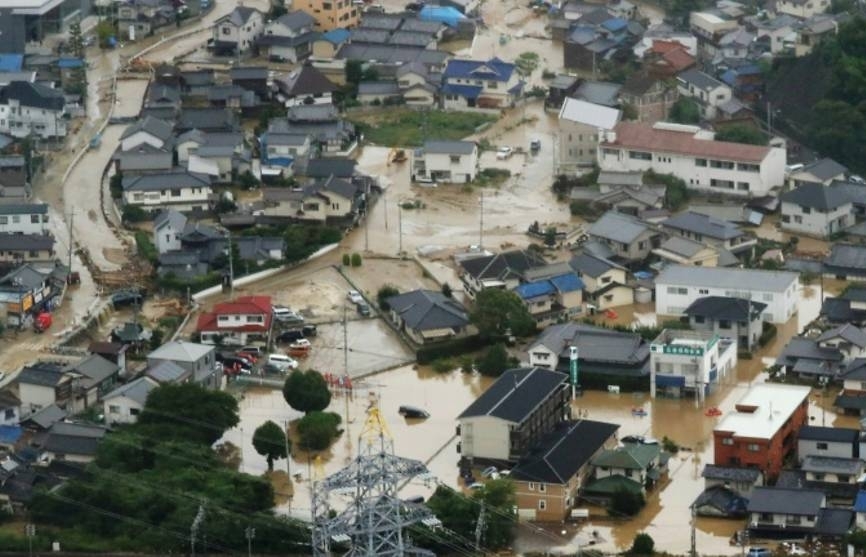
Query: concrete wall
{"points": [[780, 306], [816, 223], [485, 437]]}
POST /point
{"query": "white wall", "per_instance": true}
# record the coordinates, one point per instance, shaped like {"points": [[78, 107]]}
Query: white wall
{"points": [[34, 397], [780, 305], [121, 410], [808, 447], [466, 164], [485, 437], [816, 223], [21, 121], [138, 138], [23, 223], [188, 197]]}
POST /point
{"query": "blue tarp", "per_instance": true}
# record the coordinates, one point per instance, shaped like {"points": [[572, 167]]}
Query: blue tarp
{"points": [[336, 36], [443, 14], [66, 63], [531, 290], [11, 62], [9, 434]]}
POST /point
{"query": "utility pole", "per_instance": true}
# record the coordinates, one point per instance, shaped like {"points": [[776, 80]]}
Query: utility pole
{"points": [[400, 226], [30, 532], [250, 533], [231, 266], [288, 452], [193, 530], [71, 243], [367, 226], [481, 222], [693, 551], [385, 202]]}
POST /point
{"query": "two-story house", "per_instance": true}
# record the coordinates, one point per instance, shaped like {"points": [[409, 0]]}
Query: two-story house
{"points": [[124, 404], [32, 108], [304, 86], [551, 293], [709, 230], [604, 281], [23, 292], [803, 9], [823, 171], [650, 96], [329, 200], [707, 91], [761, 431], [741, 481], [630, 239], [822, 441], [846, 262], [816, 210], [19, 248], [452, 162], [427, 316], [513, 415], [634, 467], [200, 359], [331, 15], [168, 227], [24, 218], [503, 270], [693, 362], [329, 133], [852, 399], [92, 377], [693, 155], [548, 480], [604, 357], [581, 123], [42, 384], [480, 84], [796, 513], [237, 32], [289, 37], [180, 189], [735, 318], [239, 322]]}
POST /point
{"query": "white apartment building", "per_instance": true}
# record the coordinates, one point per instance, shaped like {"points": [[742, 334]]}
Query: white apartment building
{"points": [[24, 218], [677, 286], [32, 108], [580, 125], [691, 154], [453, 162], [689, 361]]}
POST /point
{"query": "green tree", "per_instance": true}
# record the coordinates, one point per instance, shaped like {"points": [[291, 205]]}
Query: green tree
{"points": [[385, 292], [741, 133], [446, 290], [685, 111], [497, 311], [115, 185], [77, 84], [354, 72], [104, 31], [494, 361], [643, 545], [306, 391], [550, 237], [629, 111], [356, 260], [156, 339], [370, 74], [190, 411], [133, 214], [347, 260], [317, 430], [269, 440], [459, 513]]}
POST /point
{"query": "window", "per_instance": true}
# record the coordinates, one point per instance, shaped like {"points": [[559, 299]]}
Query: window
{"points": [[605, 280], [4, 220], [767, 297], [806, 210], [677, 290], [818, 476], [728, 441], [640, 155], [455, 159], [542, 488], [798, 219], [699, 319], [821, 446], [33, 253], [703, 291], [113, 409], [724, 324], [531, 486], [34, 219], [9, 414], [134, 411], [748, 167], [227, 31], [16, 219], [743, 186], [701, 162], [726, 184], [727, 165], [753, 447], [542, 504]]}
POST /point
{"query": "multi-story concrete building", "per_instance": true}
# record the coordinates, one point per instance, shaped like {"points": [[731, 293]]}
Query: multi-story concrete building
{"points": [[678, 286], [32, 108], [689, 361], [580, 125], [331, 14], [804, 9], [762, 430], [522, 407], [816, 210], [735, 318], [691, 154]]}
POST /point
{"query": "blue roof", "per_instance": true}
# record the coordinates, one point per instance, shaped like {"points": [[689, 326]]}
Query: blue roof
{"points": [[490, 70], [529, 290], [468, 91], [65, 63], [729, 77], [285, 162], [337, 36], [615, 24], [444, 14], [11, 62], [568, 282], [860, 502], [9, 434]]}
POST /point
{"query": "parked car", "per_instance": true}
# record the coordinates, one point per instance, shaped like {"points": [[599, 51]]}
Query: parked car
{"points": [[504, 152], [282, 362], [253, 358], [413, 412], [287, 315], [490, 472], [290, 335], [535, 145], [363, 309], [255, 351], [235, 361], [309, 330], [759, 552], [126, 298], [355, 297]]}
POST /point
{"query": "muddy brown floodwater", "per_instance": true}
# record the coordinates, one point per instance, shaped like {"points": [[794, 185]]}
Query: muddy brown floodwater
{"points": [[666, 515]]}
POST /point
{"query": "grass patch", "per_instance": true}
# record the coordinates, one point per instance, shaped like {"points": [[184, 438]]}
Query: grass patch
{"points": [[491, 177], [405, 127]]}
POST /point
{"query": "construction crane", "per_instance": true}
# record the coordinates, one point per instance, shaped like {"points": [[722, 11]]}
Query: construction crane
{"points": [[374, 522]]}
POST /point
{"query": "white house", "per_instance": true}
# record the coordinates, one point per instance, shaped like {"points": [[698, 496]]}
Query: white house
{"points": [[707, 91], [803, 9], [690, 361], [32, 108], [237, 32], [24, 218], [125, 403], [198, 359], [581, 123], [454, 162], [691, 154], [289, 37], [244, 320], [479, 84], [677, 286], [838, 442], [182, 190], [167, 229], [816, 210]]}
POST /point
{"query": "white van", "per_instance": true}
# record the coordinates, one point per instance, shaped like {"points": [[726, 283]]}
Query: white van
{"points": [[282, 362]]}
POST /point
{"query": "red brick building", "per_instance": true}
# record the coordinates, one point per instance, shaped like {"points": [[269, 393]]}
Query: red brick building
{"points": [[763, 428]]}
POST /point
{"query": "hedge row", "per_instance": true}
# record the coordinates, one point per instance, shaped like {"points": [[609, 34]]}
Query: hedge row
{"points": [[448, 349]]}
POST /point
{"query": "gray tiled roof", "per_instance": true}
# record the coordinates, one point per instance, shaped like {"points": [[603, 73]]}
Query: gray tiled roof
{"points": [[594, 343], [154, 126], [703, 224], [95, 369], [591, 265], [166, 371], [25, 242], [24, 209], [785, 501], [848, 332], [816, 196], [618, 227], [136, 390], [847, 256], [502, 265], [378, 88], [175, 179], [449, 147], [824, 169], [841, 465], [427, 309], [730, 473], [295, 20], [699, 79], [516, 394], [682, 246]]}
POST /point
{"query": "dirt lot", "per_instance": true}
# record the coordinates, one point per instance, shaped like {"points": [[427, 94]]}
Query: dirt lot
{"points": [[406, 275]]}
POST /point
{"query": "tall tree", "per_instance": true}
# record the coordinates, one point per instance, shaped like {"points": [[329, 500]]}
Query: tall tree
{"points": [[78, 79], [306, 391], [189, 411], [270, 441], [497, 311]]}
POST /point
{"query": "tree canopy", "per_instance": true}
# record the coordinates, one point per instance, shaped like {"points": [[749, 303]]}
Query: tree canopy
{"points": [[318, 429], [494, 361], [459, 513], [190, 412], [306, 391], [497, 311], [739, 133], [685, 111], [269, 440]]}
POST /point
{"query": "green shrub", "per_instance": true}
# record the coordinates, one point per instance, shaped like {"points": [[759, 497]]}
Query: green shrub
{"points": [[443, 365], [133, 213], [356, 259], [456, 347], [385, 292], [318, 429], [145, 246], [767, 334], [347, 260], [625, 503]]}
